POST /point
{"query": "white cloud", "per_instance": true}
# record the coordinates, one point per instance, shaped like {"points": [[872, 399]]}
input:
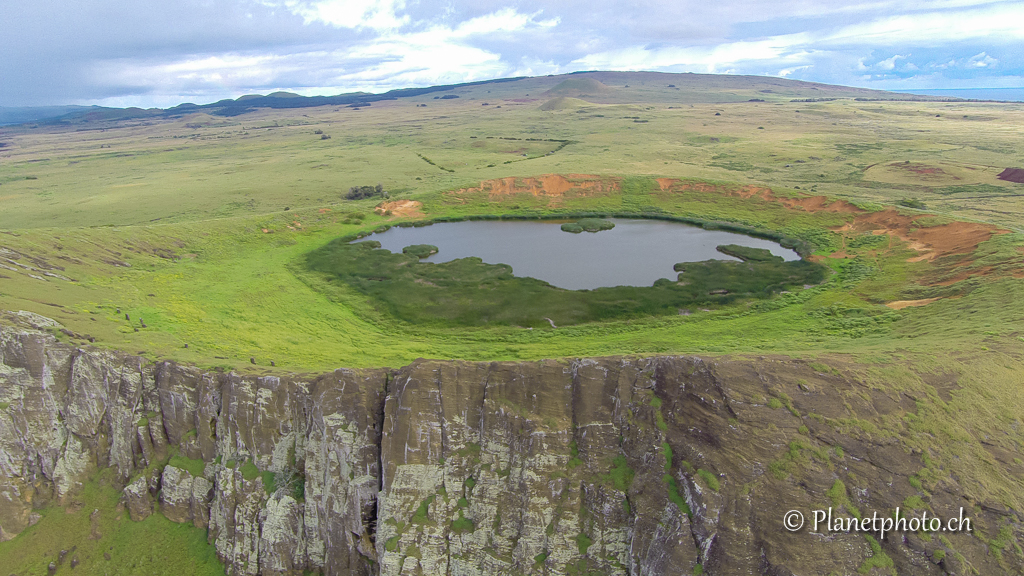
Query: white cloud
{"points": [[990, 22], [221, 74], [438, 54], [889, 63], [701, 58], [1001, 22], [374, 14], [787, 71], [982, 60], [331, 46]]}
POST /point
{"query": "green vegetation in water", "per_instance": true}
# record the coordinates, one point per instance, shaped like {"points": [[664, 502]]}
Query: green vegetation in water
{"points": [[588, 225], [469, 292], [748, 254], [420, 250]]}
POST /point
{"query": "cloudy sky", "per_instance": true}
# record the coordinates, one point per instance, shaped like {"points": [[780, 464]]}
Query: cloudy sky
{"points": [[164, 52]]}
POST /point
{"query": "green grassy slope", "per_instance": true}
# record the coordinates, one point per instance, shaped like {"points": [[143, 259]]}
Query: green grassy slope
{"points": [[99, 538]]}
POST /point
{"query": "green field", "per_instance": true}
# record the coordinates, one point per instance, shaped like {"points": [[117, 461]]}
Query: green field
{"points": [[210, 240], [164, 220]]}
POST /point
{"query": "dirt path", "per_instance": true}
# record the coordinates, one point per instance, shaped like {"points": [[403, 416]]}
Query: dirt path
{"points": [[901, 304]]}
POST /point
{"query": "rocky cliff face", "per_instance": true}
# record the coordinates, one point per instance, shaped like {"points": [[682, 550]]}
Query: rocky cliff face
{"points": [[647, 466]]}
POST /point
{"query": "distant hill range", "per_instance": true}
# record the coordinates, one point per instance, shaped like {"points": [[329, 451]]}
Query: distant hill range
{"points": [[600, 87]]}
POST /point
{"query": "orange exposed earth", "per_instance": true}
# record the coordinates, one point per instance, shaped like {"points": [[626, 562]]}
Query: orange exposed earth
{"points": [[402, 208], [901, 304], [932, 242], [554, 186]]}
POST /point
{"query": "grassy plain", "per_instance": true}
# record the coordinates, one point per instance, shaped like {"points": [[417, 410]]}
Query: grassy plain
{"points": [[185, 202], [185, 238], [97, 537]]}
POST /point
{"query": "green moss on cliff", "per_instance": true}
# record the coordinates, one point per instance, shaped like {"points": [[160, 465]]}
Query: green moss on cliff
{"points": [[583, 542], [673, 494], [709, 479], [621, 475], [194, 466], [420, 516], [878, 558], [462, 524], [249, 471]]}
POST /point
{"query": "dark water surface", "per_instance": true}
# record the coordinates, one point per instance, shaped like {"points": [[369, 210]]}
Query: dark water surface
{"points": [[634, 253]]}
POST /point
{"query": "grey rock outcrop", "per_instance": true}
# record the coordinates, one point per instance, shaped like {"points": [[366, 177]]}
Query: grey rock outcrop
{"points": [[137, 500], [646, 466], [185, 498]]}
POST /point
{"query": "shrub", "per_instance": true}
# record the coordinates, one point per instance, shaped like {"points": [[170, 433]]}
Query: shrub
{"points": [[360, 192]]}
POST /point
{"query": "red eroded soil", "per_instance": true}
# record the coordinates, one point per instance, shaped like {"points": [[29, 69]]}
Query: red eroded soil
{"points": [[809, 203], [666, 183], [932, 242], [817, 204], [1012, 175], [554, 186]]}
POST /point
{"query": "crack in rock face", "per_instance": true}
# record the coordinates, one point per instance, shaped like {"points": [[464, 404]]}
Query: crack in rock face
{"points": [[646, 466]]}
